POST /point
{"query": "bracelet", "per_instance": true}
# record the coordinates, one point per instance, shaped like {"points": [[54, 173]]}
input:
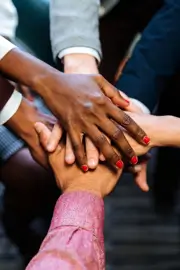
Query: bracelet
{"points": [[10, 107]]}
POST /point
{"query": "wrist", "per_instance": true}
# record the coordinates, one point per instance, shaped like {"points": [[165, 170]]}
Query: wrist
{"points": [[22, 122], [41, 83], [79, 189], [82, 184], [80, 63], [168, 131]]}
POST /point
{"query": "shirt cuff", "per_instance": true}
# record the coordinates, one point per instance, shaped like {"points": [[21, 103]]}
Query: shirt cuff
{"points": [[5, 47], [80, 209], [140, 105], [82, 50], [10, 107]]}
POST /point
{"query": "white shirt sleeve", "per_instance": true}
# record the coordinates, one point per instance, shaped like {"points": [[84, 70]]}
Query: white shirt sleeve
{"points": [[140, 105], [5, 47], [83, 50], [10, 107], [13, 103]]}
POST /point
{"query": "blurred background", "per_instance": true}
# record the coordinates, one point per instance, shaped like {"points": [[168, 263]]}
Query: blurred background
{"points": [[141, 229]]}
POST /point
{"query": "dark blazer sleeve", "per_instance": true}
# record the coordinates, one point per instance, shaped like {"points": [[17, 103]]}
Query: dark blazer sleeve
{"points": [[156, 57]]}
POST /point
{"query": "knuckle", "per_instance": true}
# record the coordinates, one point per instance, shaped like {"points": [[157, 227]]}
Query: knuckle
{"points": [[117, 135], [112, 156], [126, 120], [88, 105], [140, 133], [76, 147], [99, 78], [100, 140], [100, 99], [129, 151]]}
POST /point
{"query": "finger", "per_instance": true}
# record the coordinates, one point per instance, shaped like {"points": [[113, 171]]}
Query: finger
{"points": [[128, 123], [92, 154], [141, 178], [101, 157], [43, 132], [99, 139], [54, 138], [115, 133], [44, 135], [134, 169], [78, 148], [26, 92], [69, 154], [111, 92], [131, 107]]}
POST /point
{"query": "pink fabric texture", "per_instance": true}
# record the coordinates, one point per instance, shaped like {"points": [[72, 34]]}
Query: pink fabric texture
{"points": [[75, 239]]}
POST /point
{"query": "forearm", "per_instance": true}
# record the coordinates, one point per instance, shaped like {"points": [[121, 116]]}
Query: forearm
{"points": [[25, 68], [168, 131], [162, 130], [75, 239]]}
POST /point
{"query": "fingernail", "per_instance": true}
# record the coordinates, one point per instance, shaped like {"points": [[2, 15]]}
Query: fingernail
{"points": [[91, 163], [69, 159], [137, 168], [134, 160], [145, 187], [127, 101], [84, 168], [146, 139], [50, 147], [120, 164]]}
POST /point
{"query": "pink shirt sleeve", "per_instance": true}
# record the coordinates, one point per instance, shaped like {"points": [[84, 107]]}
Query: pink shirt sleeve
{"points": [[75, 238]]}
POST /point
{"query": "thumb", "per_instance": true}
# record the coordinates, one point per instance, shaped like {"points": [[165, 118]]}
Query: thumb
{"points": [[43, 133], [111, 92]]}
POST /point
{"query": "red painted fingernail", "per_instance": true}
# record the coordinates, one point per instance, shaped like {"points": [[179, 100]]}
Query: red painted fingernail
{"points": [[127, 101], [84, 168], [120, 164], [134, 160], [146, 139]]}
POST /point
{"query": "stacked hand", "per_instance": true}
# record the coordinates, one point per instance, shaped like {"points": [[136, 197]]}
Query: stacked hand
{"points": [[86, 64], [102, 180], [70, 178], [24, 127], [84, 105]]}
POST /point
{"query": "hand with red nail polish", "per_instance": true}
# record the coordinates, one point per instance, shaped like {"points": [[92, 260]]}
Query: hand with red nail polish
{"points": [[134, 160], [162, 131], [72, 178]]}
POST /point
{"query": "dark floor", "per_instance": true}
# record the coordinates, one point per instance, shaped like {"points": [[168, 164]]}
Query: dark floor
{"points": [[136, 238]]}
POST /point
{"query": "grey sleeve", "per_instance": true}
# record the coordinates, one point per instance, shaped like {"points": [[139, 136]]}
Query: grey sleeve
{"points": [[74, 23]]}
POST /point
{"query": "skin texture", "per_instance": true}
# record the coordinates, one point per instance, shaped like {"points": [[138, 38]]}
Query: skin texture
{"points": [[80, 102], [164, 131], [87, 64], [22, 124]]}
